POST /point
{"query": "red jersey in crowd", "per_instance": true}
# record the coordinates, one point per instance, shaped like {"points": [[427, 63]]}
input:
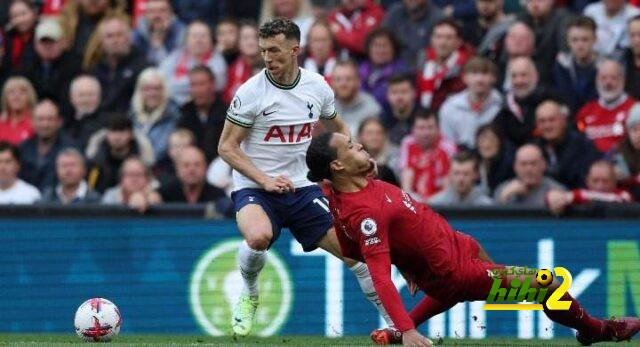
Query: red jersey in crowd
{"points": [[604, 125], [239, 72], [16, 133], [355, 25], [583, 196], [430, 166], [381, 224], [52, 7]]}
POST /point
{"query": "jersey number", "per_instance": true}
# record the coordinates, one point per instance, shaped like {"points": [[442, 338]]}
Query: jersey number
{"points": [[323, 202]]}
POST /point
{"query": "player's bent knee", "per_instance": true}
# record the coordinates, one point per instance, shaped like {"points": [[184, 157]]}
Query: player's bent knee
{"points": [[258, 240]]}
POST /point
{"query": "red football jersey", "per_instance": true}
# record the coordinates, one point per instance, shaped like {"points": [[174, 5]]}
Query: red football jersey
{"points": [[381, 219], [430, 166], [604, 125]]}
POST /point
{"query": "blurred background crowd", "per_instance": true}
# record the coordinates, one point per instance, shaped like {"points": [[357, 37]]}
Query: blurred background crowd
{"points": [[461, 102]]}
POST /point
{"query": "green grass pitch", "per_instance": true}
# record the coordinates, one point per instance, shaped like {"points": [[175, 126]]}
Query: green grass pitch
{"points": [[306, 341]]}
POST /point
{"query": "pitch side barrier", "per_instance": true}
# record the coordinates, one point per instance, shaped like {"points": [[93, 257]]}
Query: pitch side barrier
{"points": [[172, 270]]}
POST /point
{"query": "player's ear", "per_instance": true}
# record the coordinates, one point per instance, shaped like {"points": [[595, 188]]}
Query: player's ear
{"points": [[336, 165], [296, 49]]}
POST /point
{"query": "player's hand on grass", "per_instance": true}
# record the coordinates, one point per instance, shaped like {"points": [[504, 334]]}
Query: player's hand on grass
{"points": [[279, 184], [415, 339]]}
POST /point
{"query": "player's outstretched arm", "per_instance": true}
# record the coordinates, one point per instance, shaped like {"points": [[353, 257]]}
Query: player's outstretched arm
{"points": [[379, 265], [229, 149], [336, 124]]}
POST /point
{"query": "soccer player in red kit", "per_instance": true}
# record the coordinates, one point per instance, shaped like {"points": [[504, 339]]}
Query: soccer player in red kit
{"points": [[378, 223]]}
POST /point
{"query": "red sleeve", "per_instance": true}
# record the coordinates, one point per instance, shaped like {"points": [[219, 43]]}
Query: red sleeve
{"points": [[348, 247], [379, 266], [354, 39]]}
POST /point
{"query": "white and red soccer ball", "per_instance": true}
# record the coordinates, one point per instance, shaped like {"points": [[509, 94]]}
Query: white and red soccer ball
{"points": [[97, 320]]}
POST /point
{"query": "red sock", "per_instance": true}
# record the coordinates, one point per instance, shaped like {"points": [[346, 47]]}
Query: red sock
{"points": [[575, 317], [427, 308]]}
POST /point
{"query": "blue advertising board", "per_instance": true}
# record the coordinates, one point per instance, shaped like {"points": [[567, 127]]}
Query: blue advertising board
{"points": [[178, 276]]}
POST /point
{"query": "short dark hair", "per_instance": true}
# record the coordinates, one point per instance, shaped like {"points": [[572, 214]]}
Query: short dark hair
{"points": [[426, 115], [369, 120], [398, 78], [348, 63], [320, 154], [119, 122], [585, 22], [449, 22], [387, 33], [465, 156], [6, 146], [279, 26], [228, 20], [203, 69], [633, 19]]}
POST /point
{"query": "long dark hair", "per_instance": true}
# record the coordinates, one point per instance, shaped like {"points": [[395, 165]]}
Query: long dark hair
{"points": [[319, 157]]}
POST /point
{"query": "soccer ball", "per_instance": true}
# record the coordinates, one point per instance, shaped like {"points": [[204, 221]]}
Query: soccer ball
{"points": [[97, 320], [544, 277]]}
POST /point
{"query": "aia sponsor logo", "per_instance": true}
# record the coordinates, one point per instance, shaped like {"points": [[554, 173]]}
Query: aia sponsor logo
{"points": [[289, 133]]}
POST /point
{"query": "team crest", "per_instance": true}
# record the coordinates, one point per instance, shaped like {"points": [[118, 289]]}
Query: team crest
{"points": [[368, 227], [236, 103]]}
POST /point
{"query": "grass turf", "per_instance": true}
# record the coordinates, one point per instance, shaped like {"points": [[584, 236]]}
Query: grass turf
{"points": [[306, 341]]}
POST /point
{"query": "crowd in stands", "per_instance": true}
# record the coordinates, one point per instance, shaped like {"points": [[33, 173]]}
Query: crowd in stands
{"points": [[461, 102]]}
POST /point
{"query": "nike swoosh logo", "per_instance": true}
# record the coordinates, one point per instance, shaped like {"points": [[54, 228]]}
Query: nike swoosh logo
{"points": [[264, 113]]}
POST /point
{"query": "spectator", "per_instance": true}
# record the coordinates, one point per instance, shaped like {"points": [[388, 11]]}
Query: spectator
{"points": [[299, 11], [198, 50], [486, 30], [227, 39], [530, 185], [205, 114], [179, 139], [19, 51], [373, 137], [18, 99], [568, 153], [38, 154], [72, 189], [462, 189], [159, 32], [79, 20], [351, 23], [53, 68], [601, 186], [631, 58], [403, 107], [516, 120], [152, 111], [603, 120], [191, 186], [458, 9], [353, 104], [4, 70], [207, 11], [86, 118], [12, 189], [463, 113], [574, 72], [108, 148], [424, 158], [549, 25], [440, 75], [412, 21], [612, 17], [247, 64], [119, 67], [383, 51], [496, 158], [627, 154], [519, 42], [135, 188], [320, 52]]}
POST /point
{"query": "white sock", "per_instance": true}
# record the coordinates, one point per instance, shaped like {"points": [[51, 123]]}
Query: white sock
{"points": [[361, 271], [250, 263]]}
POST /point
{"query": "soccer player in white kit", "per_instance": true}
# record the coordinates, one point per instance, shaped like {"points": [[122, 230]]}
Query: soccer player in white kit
{"points": [[265, 138]]}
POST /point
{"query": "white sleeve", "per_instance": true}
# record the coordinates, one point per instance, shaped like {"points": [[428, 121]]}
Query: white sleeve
{"points": [[242, 110], [328, 110]]}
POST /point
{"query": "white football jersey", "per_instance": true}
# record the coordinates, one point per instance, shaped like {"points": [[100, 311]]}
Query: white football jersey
{"points": [[281, 119]]}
